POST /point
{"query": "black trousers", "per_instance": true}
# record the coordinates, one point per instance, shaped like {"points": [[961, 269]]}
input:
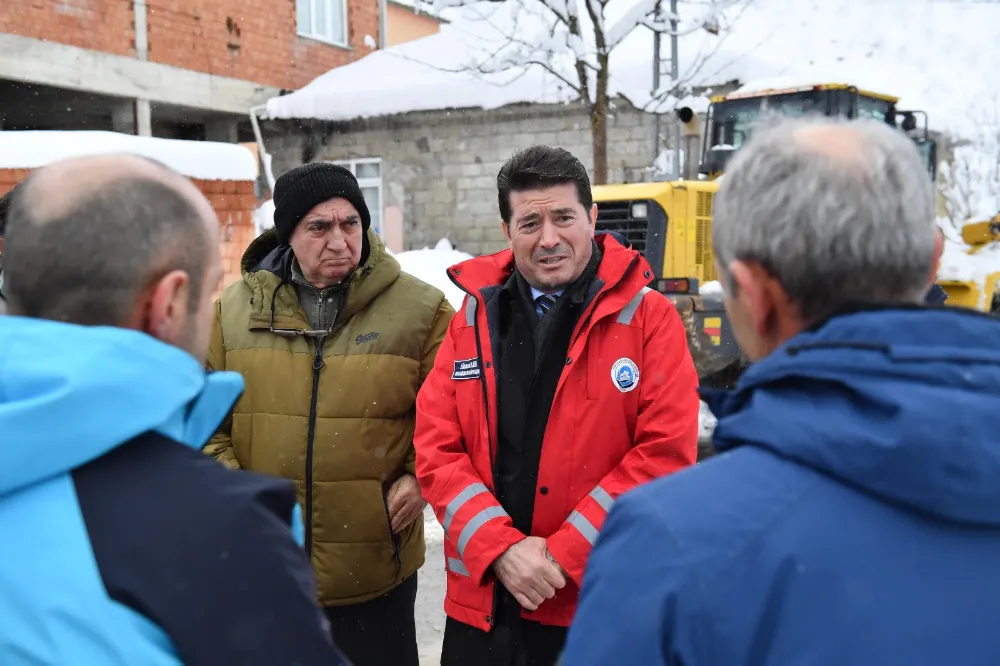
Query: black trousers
{"points": [[514, 641], [380, 632]]}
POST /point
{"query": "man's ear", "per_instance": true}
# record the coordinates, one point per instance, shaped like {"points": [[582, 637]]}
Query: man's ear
{"points": [[506, 230], [166, 307], [938, 252], [755, 291], [593, 217]]}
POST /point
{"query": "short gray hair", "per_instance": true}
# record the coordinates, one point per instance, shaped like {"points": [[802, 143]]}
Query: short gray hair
{"points": [[89, 265], [833, 228]]}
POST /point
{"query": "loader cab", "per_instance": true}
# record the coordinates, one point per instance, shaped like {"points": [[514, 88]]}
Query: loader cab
{"points": [[731, 118]]}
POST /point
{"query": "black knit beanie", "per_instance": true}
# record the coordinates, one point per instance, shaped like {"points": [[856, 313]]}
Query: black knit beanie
{"points": [[297, 191]]}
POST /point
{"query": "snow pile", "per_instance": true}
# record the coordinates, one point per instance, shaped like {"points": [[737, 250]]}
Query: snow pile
{"points": [[204, 160], [713, 287], [663, 165], [263, 217], [431, 266], [706, 422]]}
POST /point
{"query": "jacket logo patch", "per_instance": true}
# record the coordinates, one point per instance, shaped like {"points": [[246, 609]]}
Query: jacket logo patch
{"points": [[468, 369], [367, 337], [625, 374]]}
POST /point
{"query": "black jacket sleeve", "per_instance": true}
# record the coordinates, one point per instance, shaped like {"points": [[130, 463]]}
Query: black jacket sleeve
{"points": [[206, 553]]}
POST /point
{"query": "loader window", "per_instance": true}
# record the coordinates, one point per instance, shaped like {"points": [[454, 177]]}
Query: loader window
{"points": [[870, 107], [928, 151], [733, 120]]}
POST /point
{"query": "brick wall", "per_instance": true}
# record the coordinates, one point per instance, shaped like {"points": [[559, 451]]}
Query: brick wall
{"points": [[254, 40], [233, 202], [440, 167], [101, 25]]}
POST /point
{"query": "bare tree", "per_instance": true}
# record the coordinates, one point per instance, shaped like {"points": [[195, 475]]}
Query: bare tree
{"points": [[571, 40], [970, 183]]}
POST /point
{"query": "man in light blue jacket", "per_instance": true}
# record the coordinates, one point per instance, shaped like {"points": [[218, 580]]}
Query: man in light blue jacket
{"points": [[853, 513], [120, 542]]}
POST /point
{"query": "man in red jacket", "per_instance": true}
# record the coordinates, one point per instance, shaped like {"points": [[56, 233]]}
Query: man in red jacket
{"points": [[563, 382]]}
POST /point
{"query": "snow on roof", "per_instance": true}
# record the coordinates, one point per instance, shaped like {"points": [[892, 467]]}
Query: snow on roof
{"points": [[204, 160], [418, 7], [431, 266], [930, 53]]}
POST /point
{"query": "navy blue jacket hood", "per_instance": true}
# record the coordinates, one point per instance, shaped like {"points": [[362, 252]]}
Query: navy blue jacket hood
{"points": [[899, 402]]}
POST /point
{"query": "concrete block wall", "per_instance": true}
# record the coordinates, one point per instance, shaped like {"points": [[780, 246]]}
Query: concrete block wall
{"points": [[233, 202], [440, 168], [254, 40]]}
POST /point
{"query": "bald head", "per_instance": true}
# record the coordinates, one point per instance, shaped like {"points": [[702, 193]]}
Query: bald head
{"points": [[840, 142], [88, 238], [55, 192]]}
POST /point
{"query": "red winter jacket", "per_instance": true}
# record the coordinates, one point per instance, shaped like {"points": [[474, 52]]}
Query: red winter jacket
{"points": [[625, 411]]}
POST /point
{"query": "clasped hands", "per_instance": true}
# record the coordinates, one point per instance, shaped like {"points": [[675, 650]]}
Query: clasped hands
{"points": [[529, 572]]}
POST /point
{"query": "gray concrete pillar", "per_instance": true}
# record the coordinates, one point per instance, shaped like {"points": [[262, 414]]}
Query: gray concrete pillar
{"points": [[132, 117], [143, 117], [123, 117]]}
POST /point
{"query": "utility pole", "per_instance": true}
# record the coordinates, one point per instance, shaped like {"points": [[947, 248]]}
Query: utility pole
{"points": [[658, 81], [675, 80]]}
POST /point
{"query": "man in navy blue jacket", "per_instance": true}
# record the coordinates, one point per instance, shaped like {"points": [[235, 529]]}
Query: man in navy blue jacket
{"points": [[120, 542], [853, 514]]}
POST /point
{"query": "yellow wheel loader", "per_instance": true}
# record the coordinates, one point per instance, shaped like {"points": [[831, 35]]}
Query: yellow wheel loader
{"points": [[982, 292], [670, 222]]}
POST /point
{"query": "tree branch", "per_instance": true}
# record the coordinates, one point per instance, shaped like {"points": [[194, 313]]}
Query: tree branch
{"points": [[698, 63]]}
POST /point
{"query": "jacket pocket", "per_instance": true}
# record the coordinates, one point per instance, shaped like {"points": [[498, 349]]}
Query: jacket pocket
{"points": [[393, 537]]}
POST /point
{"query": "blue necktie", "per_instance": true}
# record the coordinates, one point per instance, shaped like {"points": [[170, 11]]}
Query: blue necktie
{"points": [[544, 303]]}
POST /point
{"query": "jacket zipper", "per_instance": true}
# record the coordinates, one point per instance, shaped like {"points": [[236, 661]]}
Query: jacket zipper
{"points": [[393, 537], [318, 364], [486, 407]]}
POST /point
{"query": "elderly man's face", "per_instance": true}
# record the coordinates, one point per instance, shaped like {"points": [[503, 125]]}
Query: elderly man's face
{"points": [[327, 242]]}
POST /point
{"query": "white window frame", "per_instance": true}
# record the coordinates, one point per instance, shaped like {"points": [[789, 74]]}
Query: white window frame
{"points": [[326, 37], [368, 182]]}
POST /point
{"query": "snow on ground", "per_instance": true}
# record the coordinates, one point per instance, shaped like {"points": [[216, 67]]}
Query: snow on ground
{"points": [[431, 587], [206, 160], [431, 266]]}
